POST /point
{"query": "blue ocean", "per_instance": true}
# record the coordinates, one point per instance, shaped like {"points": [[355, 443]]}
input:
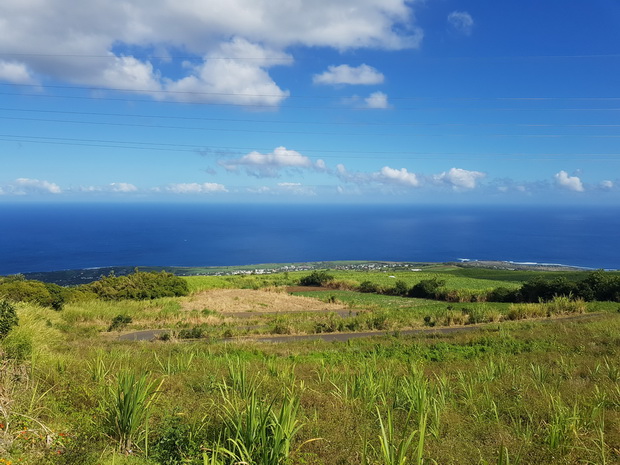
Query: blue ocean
{"points": [[50, 237]]}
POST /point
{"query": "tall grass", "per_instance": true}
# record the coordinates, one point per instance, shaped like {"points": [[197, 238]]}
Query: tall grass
{"points": [[258, 432], [128, 407]]}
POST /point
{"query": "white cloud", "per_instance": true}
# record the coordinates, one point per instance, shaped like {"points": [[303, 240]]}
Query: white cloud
{"points": [[377, 100], [385, 176], [227, 76], [607, 184], [461, 21], [345, 74], [269, 164], [356, 177], [459, 178], [97, 42], [16, 73], [401, 176], [196, 188], [26, 186], [258, 190], [123, 187], [572, 183]]}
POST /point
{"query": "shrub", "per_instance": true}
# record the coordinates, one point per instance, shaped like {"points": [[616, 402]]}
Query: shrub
{"points": [[400, 288], [8, 318], [35, 292], [316, 278], [368, 287], [139, 286], [342, 284], [427, 288], [502, 294], [195, 332], [119, 322], [178, 442]]}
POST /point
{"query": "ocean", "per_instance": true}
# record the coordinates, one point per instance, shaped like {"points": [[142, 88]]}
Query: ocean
{"points": [[52, 237]]}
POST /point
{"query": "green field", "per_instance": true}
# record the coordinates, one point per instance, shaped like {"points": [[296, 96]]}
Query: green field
{"points": [[538, 390]]}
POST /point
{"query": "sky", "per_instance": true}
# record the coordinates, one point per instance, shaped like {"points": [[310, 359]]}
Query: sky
{"points": [[313, 101]]}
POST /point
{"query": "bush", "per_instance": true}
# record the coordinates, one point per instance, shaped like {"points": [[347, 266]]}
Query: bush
{"points": [[502, 294], [119, 322], [178, 442], [34, 292], [195, 332], [8, 318], [427, 288], [368, 287], [316, 278], [341, 284], [139, 286], [400, 288]]}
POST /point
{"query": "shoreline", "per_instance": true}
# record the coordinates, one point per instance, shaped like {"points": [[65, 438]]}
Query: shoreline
{"points": [[85, 275]]}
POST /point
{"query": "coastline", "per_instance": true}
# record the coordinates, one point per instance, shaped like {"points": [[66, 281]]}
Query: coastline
{"points": [[86, 275]]}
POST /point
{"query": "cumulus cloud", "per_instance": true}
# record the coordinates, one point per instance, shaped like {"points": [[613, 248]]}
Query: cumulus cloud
{"points": [[27, 186], [106, 44], [124, 187], [377, 100], [269, 164], [607, 184], [459, 179], [345, 74], [196, 188], [401, 176], [385, 176], [461, 21], [572, 183], [227, 76]]}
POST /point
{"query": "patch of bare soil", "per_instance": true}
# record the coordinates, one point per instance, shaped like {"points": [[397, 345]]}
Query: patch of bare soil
{"points": [[248, 300]]}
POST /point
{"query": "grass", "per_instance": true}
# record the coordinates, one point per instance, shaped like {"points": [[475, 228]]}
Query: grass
{"points": [[516, 391]]}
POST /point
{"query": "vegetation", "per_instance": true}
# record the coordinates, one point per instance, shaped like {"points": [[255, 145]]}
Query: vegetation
{"points": [[316, 278], [139, 286], [8, 318], [532, 387]]}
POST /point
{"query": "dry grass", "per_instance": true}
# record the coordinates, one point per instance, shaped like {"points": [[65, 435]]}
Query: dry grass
{"points": [[248, 300]]}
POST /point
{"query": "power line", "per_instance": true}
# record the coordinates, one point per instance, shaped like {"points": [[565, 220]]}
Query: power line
{"points": [[324, 123], [342, 154], [289, 106], [262, 131], [244, 94]]}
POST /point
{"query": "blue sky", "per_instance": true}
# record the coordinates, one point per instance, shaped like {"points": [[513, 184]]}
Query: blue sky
{"points": [[394, 101]]}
